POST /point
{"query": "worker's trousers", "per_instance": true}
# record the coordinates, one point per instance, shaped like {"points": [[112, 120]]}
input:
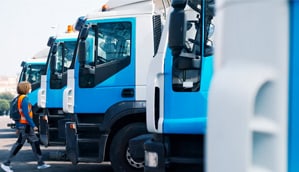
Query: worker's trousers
{"points": [[26, 133]]}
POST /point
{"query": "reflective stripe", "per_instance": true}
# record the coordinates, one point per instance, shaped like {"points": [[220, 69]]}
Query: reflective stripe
{"points": [[23, 119]]}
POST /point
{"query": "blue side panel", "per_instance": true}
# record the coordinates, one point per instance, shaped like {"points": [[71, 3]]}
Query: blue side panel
{"points": [[107, 93], [186, 112], [207, 73], [54, 98], [98, 100], [293, 152], [65, 39], [33, 97]]}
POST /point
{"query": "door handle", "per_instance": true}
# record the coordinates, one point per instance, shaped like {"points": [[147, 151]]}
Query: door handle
{"points": [[128, 92]]}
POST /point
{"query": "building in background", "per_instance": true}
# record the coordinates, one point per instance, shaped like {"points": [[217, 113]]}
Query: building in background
{"points": [[8, 84]]}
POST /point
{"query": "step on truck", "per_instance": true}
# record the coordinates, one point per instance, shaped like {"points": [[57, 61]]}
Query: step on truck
{"points": [[253, 109], [177, 89], [53, 82], [106, 84], [31, 72]]}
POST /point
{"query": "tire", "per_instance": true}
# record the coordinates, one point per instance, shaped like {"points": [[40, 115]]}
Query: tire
{"points": [[119, 154]]}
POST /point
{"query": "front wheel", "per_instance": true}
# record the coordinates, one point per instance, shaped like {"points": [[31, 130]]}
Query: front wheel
{"points": [[121, 160]]}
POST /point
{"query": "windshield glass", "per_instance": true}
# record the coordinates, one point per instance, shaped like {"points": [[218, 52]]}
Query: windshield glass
{"points": [[31, 73], [64, 56]]}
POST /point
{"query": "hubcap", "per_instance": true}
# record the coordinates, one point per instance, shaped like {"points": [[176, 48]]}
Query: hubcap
{"points": [[134, 163]]}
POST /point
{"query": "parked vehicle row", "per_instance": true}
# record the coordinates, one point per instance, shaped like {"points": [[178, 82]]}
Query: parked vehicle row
{"points": [[132, 86], [134, 72]]}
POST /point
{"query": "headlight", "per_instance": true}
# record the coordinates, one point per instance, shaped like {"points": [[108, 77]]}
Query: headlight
{"points": [[151, 159]]}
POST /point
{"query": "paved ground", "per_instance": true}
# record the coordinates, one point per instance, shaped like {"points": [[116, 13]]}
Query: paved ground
{"points": [[25, 161]]}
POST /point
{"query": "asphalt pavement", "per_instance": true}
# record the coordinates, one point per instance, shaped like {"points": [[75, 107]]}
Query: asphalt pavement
{"points": [[25, 161]]}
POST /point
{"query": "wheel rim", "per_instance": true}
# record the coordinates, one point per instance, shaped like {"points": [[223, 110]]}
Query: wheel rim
{"points": [[134, 163]]}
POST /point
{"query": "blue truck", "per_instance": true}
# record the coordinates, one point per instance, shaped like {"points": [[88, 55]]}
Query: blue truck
{"points": [[105, 93], [177, 89], [31, 72], [53, 82], [253, 101]]}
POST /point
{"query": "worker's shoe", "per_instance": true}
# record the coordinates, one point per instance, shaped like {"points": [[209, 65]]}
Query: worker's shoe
{"points": [[43, 166], [6, 168]]}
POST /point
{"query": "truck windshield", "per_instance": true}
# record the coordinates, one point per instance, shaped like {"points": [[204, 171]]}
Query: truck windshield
{"points": [[198, 44], [108, 50], [113, 41], [31, 73], [64, 56]]}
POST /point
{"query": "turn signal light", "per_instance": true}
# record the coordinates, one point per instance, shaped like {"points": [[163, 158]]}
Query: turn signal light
{"points": [[73, 126], [105, 7], [70, 29]]}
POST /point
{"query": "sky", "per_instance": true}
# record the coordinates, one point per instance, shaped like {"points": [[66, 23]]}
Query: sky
{"points": [[27, 24]]}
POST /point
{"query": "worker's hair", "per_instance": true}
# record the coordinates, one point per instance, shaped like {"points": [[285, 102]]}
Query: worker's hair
{"points": [[23, 87]]}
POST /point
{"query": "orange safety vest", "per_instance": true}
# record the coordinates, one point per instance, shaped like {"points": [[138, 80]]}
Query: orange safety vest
{"points": [[23, 119]]}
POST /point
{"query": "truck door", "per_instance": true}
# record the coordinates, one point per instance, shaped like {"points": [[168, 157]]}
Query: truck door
{"points": [[187, 78], [60, 61], [107, 73]]}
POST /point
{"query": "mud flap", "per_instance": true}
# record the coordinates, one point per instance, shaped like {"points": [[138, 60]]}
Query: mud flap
{"points": [[136, 145], [61, 128], [43, 131], [71, 142]]}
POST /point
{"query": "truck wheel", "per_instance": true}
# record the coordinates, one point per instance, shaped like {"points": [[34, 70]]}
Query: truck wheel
{"points": [[121, 160]]}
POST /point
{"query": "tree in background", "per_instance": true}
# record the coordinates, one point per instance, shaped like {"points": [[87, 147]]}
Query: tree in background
{"points": [[7, 96], [4, 107], [5, 99]]}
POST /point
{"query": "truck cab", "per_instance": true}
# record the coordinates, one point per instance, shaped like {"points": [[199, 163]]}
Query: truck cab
{"points": [[32, 69], [54, 81], [177, 89], [106, 85]]}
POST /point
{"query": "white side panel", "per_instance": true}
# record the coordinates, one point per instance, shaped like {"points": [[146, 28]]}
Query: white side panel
{"points": [[41, 55], [69, 93], [247, 111], [41, 95], [67, 35], [128, 4], [144, 53], [123, 9], [156, 79]]}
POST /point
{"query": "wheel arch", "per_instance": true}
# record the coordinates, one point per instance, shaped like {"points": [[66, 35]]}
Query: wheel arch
{"points": [[127, 113]]}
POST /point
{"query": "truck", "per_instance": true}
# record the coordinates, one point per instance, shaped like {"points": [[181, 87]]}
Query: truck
{"points": [[177, 89], [253, 101], [31, 72], [106, 84], [53, 81]]}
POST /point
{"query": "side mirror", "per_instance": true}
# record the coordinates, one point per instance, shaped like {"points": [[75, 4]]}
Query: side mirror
{"points": [[82, 44], [211, 8], [79, 23], [178, 3], [82, 51], [177, 31], [177, 27], [51, 41], [23, 64], [84, 32], [53, 57], [52, 63], [54, 48]]}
